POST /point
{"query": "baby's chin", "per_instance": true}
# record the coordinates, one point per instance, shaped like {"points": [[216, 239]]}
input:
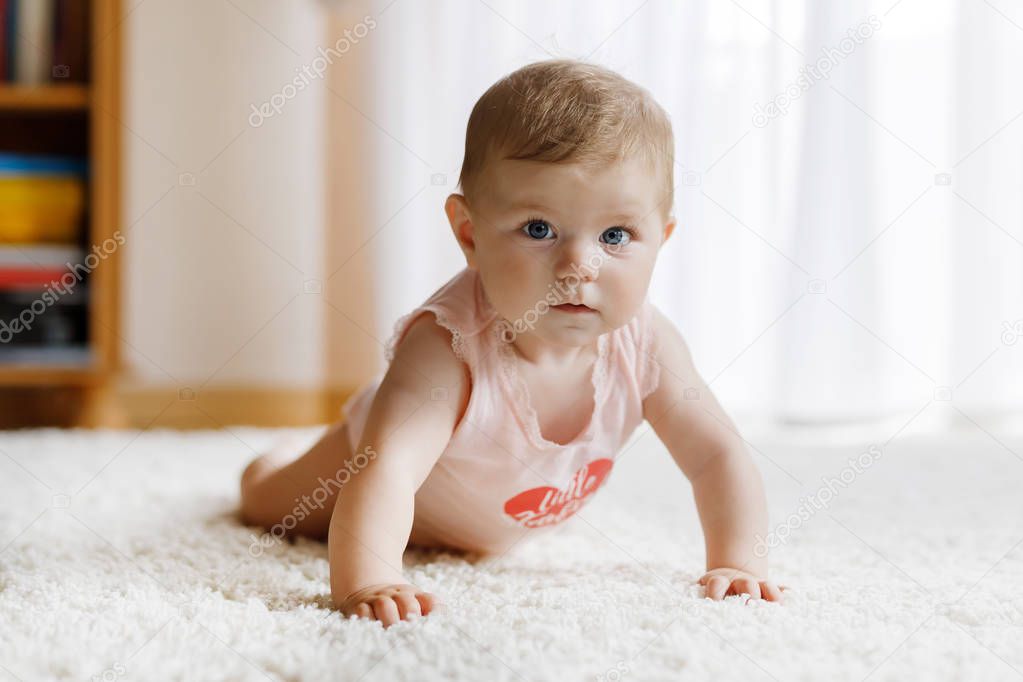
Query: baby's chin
{"points": [[573, 334]]}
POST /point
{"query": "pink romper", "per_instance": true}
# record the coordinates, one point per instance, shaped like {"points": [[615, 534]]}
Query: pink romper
{"points": [[499, 478]]}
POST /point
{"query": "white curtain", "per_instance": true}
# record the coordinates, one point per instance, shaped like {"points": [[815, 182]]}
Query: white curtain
{"points": [[856, 256]]}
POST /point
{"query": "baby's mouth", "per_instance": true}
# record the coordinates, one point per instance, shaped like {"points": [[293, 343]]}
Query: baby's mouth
{"points": [[574, 308]]}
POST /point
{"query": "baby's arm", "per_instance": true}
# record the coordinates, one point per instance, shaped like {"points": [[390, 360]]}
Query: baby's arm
{"points": [[408, 429], [727, 486]]}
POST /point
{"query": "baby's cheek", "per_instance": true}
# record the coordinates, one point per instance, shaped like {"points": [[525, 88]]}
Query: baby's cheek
{"points": [[519, 279], [624, 296], [508, 290]]}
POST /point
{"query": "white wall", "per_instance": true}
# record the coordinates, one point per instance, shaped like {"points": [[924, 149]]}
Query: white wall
{"points": [[810, 283], [213, 273]]}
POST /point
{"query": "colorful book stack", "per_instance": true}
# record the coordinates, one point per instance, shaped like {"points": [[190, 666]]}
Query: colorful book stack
{"points": [[43, 270], [43, 41]]}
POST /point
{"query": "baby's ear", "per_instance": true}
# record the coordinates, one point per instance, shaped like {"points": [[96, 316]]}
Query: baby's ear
{"points": [[458, 214], [669, 228]]}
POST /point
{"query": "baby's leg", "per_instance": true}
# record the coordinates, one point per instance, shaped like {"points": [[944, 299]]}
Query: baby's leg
{"points": [[286, 489]]}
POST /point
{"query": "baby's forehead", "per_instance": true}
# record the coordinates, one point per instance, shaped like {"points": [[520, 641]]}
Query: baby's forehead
{"points": [[621, 185]]}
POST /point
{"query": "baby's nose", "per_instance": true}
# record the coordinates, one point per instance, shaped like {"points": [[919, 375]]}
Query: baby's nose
{"points": [[577, 258]]}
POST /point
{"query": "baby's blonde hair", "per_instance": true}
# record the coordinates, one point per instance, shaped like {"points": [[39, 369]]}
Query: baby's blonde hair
{"points": [[564, 110]]}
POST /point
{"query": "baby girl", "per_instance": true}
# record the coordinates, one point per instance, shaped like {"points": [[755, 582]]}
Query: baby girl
{"points": [[510, 390]]}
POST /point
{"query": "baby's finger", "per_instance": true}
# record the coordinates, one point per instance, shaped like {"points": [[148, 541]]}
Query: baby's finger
{"points": [[717, 585], [770, 591], [363, 610], [427, 602], [385, 611], [748, 586], [407, 605]]}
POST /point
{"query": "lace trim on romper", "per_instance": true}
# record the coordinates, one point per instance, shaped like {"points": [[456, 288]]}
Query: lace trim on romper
{"points": [[650, 373], [458, 344], [523, 408]]}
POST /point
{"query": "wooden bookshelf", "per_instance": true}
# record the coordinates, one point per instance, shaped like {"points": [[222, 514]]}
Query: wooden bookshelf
{"points": [[79, 119], [44, 98]]}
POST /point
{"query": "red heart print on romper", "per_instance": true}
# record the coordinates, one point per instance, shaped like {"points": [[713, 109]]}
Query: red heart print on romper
{"points": [[545, 506]]}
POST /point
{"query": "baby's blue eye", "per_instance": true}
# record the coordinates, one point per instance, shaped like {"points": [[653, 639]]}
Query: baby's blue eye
{"points": [[616, 236], [538, 229]]}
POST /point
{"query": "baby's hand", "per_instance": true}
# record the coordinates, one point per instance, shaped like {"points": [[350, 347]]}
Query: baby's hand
{"points": [[389, 603], [723, 581]]}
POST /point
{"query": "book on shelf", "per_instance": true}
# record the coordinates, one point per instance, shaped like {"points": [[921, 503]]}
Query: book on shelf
{"points": [[44, 294], [29, 265], [44, 282], [71, 356], [5, 39], [42, 198], [49, 256], [44, 41]]}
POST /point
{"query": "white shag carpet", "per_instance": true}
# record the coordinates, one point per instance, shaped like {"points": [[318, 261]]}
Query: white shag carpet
{"points": [[121, 559]]}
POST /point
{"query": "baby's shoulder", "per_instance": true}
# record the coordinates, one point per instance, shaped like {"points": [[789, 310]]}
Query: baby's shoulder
{"points": [[425, 355]]}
